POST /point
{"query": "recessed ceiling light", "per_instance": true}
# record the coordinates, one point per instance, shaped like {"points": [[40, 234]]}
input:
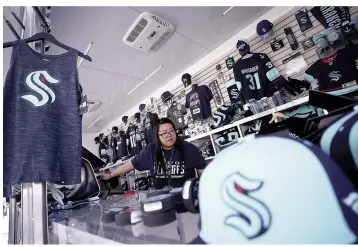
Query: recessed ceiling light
{"points": [[227, 11], [146, 79]]}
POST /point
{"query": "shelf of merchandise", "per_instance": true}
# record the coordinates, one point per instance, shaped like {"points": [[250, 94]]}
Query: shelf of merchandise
{"points": [[237, 124]]}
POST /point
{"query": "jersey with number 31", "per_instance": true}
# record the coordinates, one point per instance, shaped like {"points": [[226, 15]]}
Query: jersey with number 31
{"points": [[257, 75]]}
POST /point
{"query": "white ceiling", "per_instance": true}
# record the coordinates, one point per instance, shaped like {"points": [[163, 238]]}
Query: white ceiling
{"points": [[117, 68]]}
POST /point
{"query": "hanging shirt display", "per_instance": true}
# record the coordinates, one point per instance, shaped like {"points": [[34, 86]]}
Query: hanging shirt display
{"points": [[257, 76], [337, 75], [176, 113], [198, 100], [41, 105], [135, 139], [122, 145], [332, 16]]}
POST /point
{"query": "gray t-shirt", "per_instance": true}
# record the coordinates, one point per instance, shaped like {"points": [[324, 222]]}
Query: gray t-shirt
{"points": [[176, 113]]}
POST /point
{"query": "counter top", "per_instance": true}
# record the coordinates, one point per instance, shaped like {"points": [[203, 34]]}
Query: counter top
{"points": [[84, 225]]}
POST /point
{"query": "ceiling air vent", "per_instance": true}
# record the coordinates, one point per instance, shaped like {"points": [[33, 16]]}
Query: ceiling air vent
{"points": [[148, 32]]}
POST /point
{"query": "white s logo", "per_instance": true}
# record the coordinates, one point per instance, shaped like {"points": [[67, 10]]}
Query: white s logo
{"points": [[335, 76], [352, 201], [253, 218], [235, 93], [36, 81]]}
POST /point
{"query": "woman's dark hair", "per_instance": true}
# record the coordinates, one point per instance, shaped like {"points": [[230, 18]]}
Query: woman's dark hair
{"points": [[179, 144]]}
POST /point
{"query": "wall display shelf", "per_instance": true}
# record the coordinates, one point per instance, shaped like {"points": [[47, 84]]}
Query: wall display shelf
{"points": [[240, 125]]}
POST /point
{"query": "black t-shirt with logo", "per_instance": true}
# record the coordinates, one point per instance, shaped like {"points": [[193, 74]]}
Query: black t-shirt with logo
{"points": [[337, 74], [257, 76], [135, 139], [198, 100], [182, 165], [176, 113], [121, 146]]}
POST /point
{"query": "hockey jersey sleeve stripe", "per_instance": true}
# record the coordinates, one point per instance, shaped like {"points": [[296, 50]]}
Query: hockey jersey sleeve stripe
{"points": [[273, 74]]}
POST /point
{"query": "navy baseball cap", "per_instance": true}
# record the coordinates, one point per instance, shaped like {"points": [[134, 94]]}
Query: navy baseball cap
{"points": [[137, 115], [166, 96], [186, 79], [141, 107], [124, 118], [279, 191], [264, 29]]}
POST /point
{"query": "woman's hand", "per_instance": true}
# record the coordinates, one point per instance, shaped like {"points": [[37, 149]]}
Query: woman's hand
{"points": [[106, 176]]}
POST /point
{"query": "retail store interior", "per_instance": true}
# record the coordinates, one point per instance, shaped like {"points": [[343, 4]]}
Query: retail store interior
{"points": [[180, 125]]}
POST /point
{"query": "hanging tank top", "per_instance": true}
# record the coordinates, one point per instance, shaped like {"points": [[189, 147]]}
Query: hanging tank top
{"points": [[42, 123]]}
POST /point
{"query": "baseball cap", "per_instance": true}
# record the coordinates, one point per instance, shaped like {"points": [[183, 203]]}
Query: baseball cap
{"points": [[186, 79], [340, 142], [137, 115], [124, 118], [166, 96], [355, 23], [320, 40], [141, 107], [264, 29], [280, 191], [333, 34]]}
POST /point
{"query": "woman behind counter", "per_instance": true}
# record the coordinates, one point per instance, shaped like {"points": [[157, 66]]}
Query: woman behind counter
{"points": [[181, 158]]}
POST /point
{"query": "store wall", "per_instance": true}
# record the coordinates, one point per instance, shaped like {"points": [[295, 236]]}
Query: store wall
{"points": [[208, 73], [88, 143], [216, 55]]}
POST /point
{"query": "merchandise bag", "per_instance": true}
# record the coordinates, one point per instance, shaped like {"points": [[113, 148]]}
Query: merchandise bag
{"points": [[273, 190], [295, 66]]}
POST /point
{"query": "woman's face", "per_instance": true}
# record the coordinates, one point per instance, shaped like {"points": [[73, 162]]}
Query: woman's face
{"points": [[167, 135]]}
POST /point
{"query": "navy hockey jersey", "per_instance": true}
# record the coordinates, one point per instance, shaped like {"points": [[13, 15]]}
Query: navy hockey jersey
{"points": [[258, 76]]}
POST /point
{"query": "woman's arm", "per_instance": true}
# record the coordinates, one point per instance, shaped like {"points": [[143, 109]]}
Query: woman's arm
{"points": [[123, 169]]}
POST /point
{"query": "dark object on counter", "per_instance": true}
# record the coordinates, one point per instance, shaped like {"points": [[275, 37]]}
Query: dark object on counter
{"points": [[177, 199], [190, 195], [123, 218], [160, 219], [158, 192], [108, 216]]}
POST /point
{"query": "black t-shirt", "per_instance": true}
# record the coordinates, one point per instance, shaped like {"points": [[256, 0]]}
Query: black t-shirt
{"points": [[182, 164], [257, 76], [198, 100], [135, 139], [121, 146], [332, 16], [176, 113], [337, 75]]}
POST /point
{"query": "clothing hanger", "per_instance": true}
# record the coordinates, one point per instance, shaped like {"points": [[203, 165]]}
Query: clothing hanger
{"points": [[51, 39]]}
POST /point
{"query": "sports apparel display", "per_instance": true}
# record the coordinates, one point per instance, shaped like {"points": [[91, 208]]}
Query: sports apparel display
{"points": [[176, 113], [214, 88], [135, 139], [258, 76], [223, 116], [303, 20], [42, 123], [330, 16], [264, 29], [198, 100], [256, 196], [234, 91], [227, 137], [336, 75]]}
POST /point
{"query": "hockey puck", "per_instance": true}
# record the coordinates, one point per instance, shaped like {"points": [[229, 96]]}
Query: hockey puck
{"points": [[123, 218], [158, 192], [136, 216], [159, 219], [190, 195], [177, 199], [108, 215], [157, 204]]}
